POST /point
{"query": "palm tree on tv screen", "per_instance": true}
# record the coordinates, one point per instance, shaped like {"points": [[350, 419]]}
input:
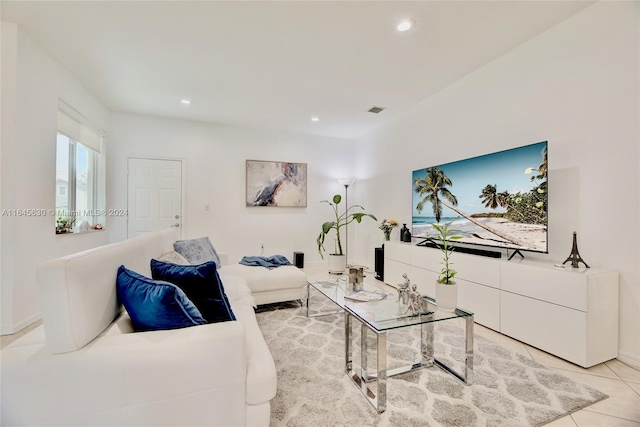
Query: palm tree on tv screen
{"points": [[490, 197], [433, 188]]}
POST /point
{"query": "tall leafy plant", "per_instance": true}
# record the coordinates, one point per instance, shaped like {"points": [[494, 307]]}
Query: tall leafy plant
{"points": [[341, 220], [446, 238]]}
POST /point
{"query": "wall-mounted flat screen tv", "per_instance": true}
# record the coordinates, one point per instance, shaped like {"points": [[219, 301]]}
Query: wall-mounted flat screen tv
{"points": [[498, 199]]}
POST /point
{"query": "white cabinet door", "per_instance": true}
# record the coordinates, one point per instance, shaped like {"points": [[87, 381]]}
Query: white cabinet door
{"points": [[398, 251], [555, 329], [482, 301], [154, 198], [393, 271], [425, 279]]}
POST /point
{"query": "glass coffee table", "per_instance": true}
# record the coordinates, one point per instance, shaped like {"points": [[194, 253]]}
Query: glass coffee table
{"points": [[381, 317]]}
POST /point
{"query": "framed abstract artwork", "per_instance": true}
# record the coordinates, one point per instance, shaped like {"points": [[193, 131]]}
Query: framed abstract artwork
{"points": [[280, 184]]}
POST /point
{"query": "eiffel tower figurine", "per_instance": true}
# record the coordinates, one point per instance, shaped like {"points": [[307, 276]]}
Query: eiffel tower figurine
{"points": [[575, 257]]}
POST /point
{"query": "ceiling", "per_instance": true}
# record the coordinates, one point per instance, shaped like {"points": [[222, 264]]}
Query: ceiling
{"points": [[275, 64]]}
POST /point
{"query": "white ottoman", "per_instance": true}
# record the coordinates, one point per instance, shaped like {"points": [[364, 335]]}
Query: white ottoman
{"points": [[267, 286]]}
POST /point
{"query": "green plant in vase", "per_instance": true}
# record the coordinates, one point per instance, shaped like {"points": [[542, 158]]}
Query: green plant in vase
{"points": [[339, 221], [446, 289], [64, 224], [445, 237]]}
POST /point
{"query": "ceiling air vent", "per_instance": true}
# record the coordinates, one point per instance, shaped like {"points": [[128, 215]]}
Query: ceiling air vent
{"points": [[375, 110]]}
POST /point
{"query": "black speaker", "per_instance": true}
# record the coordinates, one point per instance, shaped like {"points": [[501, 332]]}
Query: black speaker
{"points": [[298, 259], [379, 259]]}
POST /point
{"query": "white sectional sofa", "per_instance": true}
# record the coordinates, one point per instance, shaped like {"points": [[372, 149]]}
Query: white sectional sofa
{"points": [[86, 366]]}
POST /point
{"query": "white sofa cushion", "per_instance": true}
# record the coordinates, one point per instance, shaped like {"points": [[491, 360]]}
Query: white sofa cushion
{"points": [[190, 376], [261, 279], [237, 291], [174, 258], [262, 379]]}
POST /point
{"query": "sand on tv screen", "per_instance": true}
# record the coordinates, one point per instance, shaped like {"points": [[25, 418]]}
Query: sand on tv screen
{"points": [[499, 199]]}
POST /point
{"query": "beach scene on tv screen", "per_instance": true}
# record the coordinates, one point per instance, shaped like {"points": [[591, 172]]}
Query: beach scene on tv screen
{"points": [[499, 199]]}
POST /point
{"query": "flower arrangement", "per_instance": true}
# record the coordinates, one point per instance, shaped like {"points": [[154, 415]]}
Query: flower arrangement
{"points": [[386, 226]]}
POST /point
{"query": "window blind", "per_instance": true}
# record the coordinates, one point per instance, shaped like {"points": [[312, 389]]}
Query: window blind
{"points": [[81, 133]]}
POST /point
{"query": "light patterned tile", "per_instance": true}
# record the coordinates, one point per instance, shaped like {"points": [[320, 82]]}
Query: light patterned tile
{"points": [[586, 418], [5, 340], [623, 401], [551, 361], [562, 422], [624, 371], [635, 386]]}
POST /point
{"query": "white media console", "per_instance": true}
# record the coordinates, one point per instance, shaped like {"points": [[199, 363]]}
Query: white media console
{"points": [[568, 312]]}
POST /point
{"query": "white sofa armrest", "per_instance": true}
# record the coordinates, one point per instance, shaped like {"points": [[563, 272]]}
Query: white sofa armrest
{"points": [[190, 376]]}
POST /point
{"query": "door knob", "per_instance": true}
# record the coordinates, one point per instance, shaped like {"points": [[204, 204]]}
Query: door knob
{"points": [[177, 216], [176, 225]]}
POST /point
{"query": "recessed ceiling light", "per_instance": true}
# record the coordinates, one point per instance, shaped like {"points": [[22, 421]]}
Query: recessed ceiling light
{"points": [[315, 119], [186, 101], [406, 24]]}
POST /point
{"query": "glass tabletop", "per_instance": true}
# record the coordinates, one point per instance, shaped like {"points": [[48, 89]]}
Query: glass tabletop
{"points": [[387, 313], [391, 313], [336, 289]]}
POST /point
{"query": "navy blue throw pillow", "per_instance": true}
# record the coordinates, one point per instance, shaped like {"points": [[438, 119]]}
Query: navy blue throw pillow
{"points": [[153, 304], [201, 283]]}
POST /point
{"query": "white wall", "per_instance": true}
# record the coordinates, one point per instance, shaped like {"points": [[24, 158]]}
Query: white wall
{"points": [[577, 86], [32, 83], [214, 171]]}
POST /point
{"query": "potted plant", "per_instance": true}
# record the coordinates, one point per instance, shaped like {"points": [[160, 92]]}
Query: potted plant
{"points": [[64, 224], [337, 260], [446, 288]]}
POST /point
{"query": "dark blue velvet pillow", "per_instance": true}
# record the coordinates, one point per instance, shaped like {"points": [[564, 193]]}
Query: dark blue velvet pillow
{"points": [[154, 304], [201, 283]]}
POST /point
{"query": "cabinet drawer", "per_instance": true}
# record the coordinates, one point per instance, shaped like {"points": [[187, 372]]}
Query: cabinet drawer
{"points": [[425, 279], [482, 301], [427, 258], [393, 271], [557, 330], [472, 268], [556, 286], [398, 251], [477, 269]]}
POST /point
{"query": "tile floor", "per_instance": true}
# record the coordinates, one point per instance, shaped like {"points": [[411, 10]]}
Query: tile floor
{"points": [[620, 381]]}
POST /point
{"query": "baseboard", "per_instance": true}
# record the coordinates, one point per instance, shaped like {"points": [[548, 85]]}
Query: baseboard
{"points": [[20, 326], [630, 359]]}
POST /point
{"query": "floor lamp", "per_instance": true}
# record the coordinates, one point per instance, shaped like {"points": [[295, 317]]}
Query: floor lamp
{"points": [[346, 183]]}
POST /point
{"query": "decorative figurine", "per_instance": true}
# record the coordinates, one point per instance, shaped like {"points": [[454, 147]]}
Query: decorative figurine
{"points": [[575, 257], [403, 289], [414, 300]]}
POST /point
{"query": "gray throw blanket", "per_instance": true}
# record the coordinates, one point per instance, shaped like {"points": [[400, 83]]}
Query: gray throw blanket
{"points": [[270, 262]]}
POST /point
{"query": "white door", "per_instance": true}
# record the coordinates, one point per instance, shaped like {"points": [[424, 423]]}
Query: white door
{"points": [[154, 195]]}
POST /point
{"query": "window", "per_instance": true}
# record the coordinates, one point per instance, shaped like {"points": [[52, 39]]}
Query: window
{"points": [[78, 167]]}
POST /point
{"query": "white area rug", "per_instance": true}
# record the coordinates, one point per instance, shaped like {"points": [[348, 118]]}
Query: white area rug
{"points": [[313, 389]]}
